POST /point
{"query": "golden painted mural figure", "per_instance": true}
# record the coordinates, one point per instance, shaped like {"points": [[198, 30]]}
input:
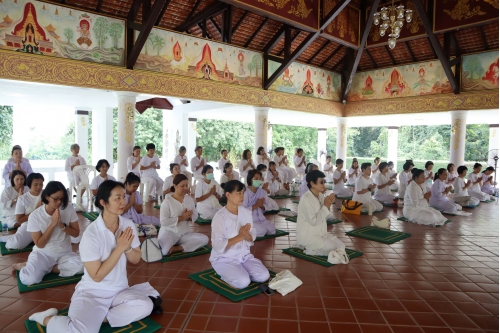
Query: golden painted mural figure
{"points": [[84, 30], [287, 78]]}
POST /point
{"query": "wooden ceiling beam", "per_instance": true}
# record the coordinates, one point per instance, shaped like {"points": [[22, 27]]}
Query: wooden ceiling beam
{"points": [[226, 30], [195, 7], [371, 58], [275, 39], [162, 13], [262, 24], [203, 15], [318, 52], [291, 43], [240, 21], [216, 26], [483, 37], [386, 48], [99, 5], [413, 59]]}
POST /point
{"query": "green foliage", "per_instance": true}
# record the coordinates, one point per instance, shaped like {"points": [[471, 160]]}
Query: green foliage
{"points": [[251, 67], [474, 67], [101, 28], [477, 142], [331, 141], [158, 43], [6, 123], [68, 33], [115, 31], [257, 64], [291, 137]]}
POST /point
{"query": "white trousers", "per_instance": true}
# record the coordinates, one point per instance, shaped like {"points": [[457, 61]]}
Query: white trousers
{"points": [[89, 308], [40, 264], [264, 228], [462, 201], [444, 205], [343, 192], [324, 245], [155, 185], [385, 198], [20, 239], [189, 242], [207, 212], [480, 195], [240, 274], [287, 174], [10, 220], [270, 204]]}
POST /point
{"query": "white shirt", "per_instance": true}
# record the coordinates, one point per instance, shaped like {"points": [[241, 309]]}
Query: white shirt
{"points": [[340, 185], [362, 184], [203, 188], [168, 183], [60, 241], [382, 179], [223, 178], [71, 160], [130, 161], [352, 179], [226, 226], [97, 243], [27, 203], [146, 162], [178, 160], [404, 177], [277, 159], [311, 221], [170, 211], [428, 182], [375, 170], [223, 162], [327, 167], [458, 185], [474, 178], [195, 162], [296, 161], [274, 185], [452, 175], [260, 160], [98, 180], [9, 194], [244, 172], [414, 197]]}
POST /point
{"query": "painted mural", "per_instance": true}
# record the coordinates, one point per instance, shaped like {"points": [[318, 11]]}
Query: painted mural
{"points": [[46, 29], [480, 71], [170, 52], [345, 27], [301, 79], [425, 78], [453, 14]]}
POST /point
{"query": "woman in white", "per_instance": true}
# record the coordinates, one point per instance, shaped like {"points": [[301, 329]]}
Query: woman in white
{"points": [[223, 160], [328, 170], [353, 173], [103, 294], [416, 208], [393, 175], [384, 182], [476, 179], [374, 168], [276, 186], [169, 181], [51, 226], [16, 162], [269, 204], [227, 174], [176, 213], [26, 204], [134, 160], [103, 167], [262, 157], [439, 197], [312, 215], [461, 195], [339, 179], [488, 183], [148, 166], [207, 194], [232, 235], [363, 190], [10, 196], [428, 175], [71, 162], [246, 163], [133, 209], [197, 163], [303, 185], [181, 159], [281, 160], [255, 200], [452, 175], [405, 178], [299, 160]]}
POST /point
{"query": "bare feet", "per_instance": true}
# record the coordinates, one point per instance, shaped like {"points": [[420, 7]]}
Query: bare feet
{"points": [[175, 249], [19, 266]]}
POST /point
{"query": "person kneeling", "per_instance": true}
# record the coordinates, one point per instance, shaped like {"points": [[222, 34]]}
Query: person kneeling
{"points": [[312, 212], [176, 213], [233, 233], [207, 194], [363, 190], [255, 199]]}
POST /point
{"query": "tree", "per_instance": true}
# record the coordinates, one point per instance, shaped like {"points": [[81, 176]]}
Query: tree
{"points": [[6, 124], [473, 65], [101, 28], [149, 40], [115, 31], [257, 63], [68, 33], [158, 43], [251, 67], [477, 143], [291, 137]]}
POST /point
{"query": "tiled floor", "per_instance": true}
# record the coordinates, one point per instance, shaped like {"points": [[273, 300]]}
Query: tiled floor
{"points": [[438, 280]]}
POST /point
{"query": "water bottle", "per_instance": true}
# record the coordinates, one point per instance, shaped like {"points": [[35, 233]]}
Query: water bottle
{"points": [[370, 209], [5, 228]]}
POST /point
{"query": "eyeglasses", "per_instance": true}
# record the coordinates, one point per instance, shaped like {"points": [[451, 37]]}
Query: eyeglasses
{"points": [[322, 181], [57, 199]]}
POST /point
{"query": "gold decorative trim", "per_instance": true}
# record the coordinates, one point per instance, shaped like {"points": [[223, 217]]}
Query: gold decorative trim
{"points": [[34, 68]]}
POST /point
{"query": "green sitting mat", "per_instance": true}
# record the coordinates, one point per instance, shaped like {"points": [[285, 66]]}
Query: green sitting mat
{"points": [[366, 213], [379, 235], [277, 234], [344, 198], [201, 221], [282, 196], [488, 201], [294, 220], [212, 280], [282, 209], [389, 205], [146, 325], [5, 250], [320, 260], [92, 216], [182, 255], [295, 201], [49, 280], [157, 206]]}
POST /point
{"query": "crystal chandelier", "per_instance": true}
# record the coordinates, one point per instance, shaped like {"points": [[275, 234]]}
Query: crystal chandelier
{"points": [[392, 17]]}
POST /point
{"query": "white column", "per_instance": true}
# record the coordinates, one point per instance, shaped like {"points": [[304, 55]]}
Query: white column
{"points": [[392, 145], [82, 130], [457, 139], [269, 136], [191, 133], [321, 144], [494, 139], [102, 136], [126, 130], [261, 127], [185, 130], [341, 151], [172, 135]]}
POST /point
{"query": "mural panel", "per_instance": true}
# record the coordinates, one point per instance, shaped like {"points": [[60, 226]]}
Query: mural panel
{"points": [[301, 79], [411, 30], [41, 28], [303, 13], [346, 26], [425, 78], [174, 53], [480, 71], [453, 14]]}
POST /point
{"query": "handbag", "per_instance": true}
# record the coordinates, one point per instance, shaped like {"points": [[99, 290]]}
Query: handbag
{"points": [[338, 256], [146, 230], [151, 250], [351, 207], [285, 282]]}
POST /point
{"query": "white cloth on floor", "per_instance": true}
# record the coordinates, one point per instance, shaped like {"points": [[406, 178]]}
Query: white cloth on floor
{"points": [[416, 208]]}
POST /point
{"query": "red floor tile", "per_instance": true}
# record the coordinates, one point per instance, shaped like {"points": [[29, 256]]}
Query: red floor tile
{"points": [[251, 325], [314, 327], [281, 326], [222, 324]]}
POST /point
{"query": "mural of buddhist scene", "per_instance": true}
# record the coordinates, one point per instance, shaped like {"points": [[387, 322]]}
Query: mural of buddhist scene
{"points": [[45, 29], [480, 71], [301, 79], [425, 78], [170, 52]]}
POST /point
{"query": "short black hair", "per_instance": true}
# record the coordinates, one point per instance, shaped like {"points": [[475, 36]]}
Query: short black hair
{"points": [[233, 185], [136, 147], [477, 165], [313, 176], [172, 165], [449, 166], [251, 174], [32, 177], [16, 147], [198, 147], [407, 165], [277, 149], [150, 146], [222, 151], [490, 168], [272, 163], [100, 163], [390, 163], [339, 161], [416, 173], [182, 149], [461, 169], [382, 165], [132, 178], [104, 192], [261, 167], [14, 174], [54, 187], [328, 157], [365, 165], [300, 150], [258, 150], [428, 163], [227, 165], [206, 168]]}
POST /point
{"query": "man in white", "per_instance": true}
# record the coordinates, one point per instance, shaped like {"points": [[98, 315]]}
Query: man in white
{"points": [[363, 190], [182, 160], [71, 162], [148, 165], [299, 160], [281, 160], [223, 160], [197, 163]]}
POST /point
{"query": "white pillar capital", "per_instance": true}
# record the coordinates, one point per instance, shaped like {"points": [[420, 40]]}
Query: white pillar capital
{"points": [[457, 138], [126, 93]]}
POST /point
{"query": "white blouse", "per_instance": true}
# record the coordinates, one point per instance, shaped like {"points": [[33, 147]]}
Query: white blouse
{"points": [[195, 162], [170, 211], [382, 179], [203, 188], [130, 161], [98, 180], [178, 160], [474, 178], [8, 195]]}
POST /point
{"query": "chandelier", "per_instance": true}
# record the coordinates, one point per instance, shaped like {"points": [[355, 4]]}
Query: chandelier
{"points": [[392, 17]]}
